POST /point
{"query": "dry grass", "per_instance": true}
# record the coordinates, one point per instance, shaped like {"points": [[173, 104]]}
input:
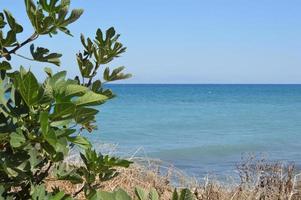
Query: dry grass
{"points": [[128, 179], [258, 180]]}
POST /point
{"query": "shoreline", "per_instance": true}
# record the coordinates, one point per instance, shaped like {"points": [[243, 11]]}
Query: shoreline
{"points": [[258, 177]]}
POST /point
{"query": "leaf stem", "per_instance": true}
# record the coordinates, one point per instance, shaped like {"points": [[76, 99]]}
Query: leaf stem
{"points": [[79, 191], [24, 57]]}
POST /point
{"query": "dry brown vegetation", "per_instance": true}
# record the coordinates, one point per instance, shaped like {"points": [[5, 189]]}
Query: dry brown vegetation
{"points": [[257, 179]]}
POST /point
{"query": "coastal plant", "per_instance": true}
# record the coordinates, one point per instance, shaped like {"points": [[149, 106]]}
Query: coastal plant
{"points": [[142, 194], [184, 194], [41, 121]]}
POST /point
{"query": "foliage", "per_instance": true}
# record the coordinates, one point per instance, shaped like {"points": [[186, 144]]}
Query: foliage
{"points": [[41, 121], [185, 194], [141, 194]]}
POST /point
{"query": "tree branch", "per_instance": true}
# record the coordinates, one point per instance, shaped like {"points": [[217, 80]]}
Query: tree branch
{"points": [[44, 174], [79, 191], [30, 39]]}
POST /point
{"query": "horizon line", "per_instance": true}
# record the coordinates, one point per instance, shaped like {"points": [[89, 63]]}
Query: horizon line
{"points": [[203, 83]]}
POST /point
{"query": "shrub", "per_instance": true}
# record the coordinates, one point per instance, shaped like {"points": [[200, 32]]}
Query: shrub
{"points": [[40, 122], [141, 194]]}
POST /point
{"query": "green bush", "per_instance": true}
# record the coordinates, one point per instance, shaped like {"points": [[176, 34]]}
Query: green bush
{"points": [[141, 194], [40, 122]]}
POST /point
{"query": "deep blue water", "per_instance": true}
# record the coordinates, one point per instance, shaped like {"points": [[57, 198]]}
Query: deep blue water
{"points": [[204, 128]]}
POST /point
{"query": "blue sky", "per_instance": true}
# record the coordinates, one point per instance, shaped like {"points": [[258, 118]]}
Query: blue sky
{"points": [[188, 41]]}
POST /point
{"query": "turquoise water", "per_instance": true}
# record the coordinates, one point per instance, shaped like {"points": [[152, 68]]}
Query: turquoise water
{"points": [[204, 128]]}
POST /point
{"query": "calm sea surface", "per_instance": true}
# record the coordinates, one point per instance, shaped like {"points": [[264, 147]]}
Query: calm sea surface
{"points": [[204, 128]]}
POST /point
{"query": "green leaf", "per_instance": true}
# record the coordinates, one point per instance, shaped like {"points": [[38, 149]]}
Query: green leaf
{"points": [[29, 88], [115, 195], [38, 192], [62, 146], [65, 3], [11, 172], [5, 65], [85, 66], [55, 85], [73, 177], [74, 89], [48, 18], [186, 194], [96, 85], [61, 123], [56, 78], [153, 195], [51, 7], [63, 172], [65, 132], [2, 190], [42, 55], [175, 195], [31, 10], [120, 194], [61, 22], [90, 98], [113, 161], [2, 22], [34, 159], [51, 138], [48, 71], [110, 33], [65, 30], [141, 194], [115, 75], [17, 139], [10, 39], [80, 141], [63, 109], [75, 15], [85, 115], [58, 196], [99, 36], [103, 195], [59, 145], [106, 74], [44, 123], [12, 22]]}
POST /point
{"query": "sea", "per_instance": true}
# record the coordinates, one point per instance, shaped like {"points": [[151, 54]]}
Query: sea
{"points": [[203, 128]]}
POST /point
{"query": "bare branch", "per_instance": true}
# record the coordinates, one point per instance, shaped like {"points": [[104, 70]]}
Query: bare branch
{"points": [[30, 39]]}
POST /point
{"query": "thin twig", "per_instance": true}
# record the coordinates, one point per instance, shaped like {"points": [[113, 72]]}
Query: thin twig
{"points": [[14, 50], [43, 175], [24, 57], [30, 39], [79, 191]]}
